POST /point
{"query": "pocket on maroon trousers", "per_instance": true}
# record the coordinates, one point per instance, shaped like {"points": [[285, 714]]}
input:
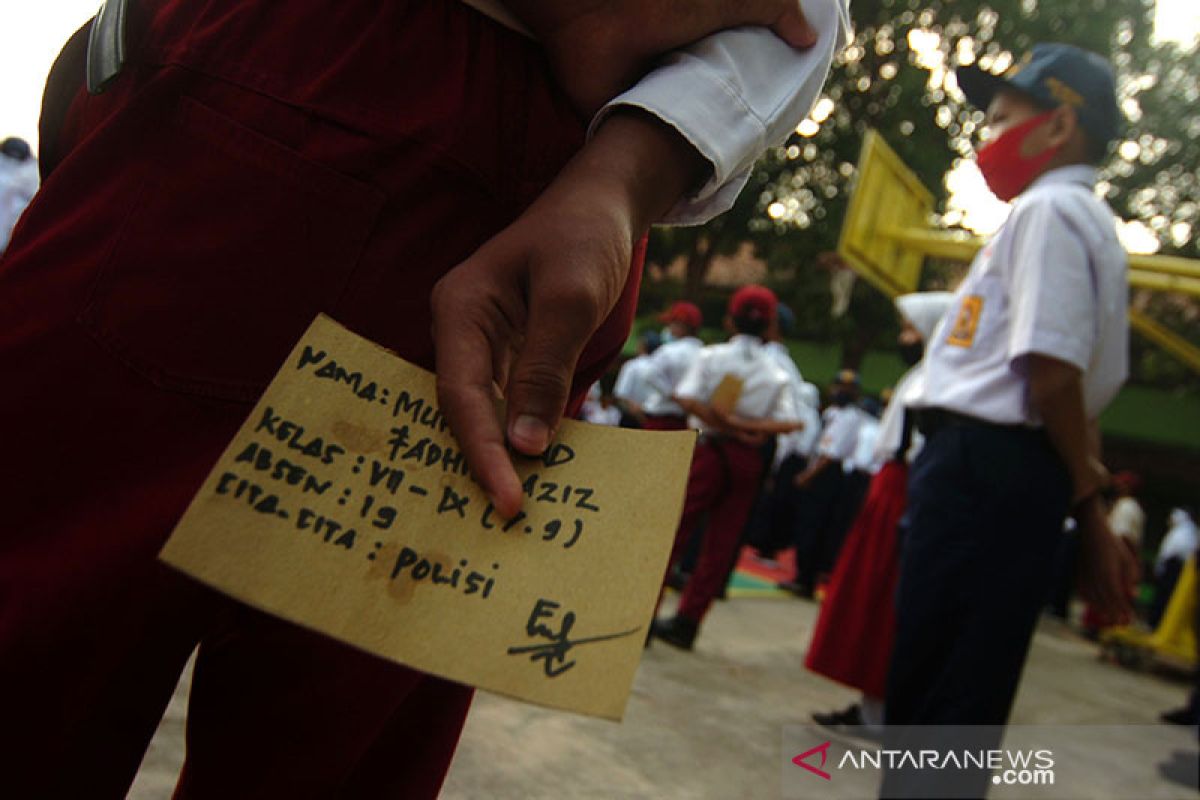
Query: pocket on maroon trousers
{"points": [[231, 247]]}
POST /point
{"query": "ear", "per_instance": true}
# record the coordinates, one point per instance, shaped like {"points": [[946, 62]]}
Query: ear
{"points": [[1064, 125]]}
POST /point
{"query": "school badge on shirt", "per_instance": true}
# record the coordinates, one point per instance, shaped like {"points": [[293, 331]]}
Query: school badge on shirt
{"points": [[962, 333]]}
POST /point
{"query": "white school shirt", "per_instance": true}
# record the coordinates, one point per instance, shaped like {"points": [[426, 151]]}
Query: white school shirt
{"points": [[863, 458], [767, 391], [1127, 520], [597, 414], [839, 437], [804, 441], [665, 368], [1051, 282], [732, 95], [18, 184], [631, 385]]}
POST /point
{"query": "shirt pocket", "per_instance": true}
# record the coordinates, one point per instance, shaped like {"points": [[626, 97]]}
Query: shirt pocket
{"points": [[231, 247]]}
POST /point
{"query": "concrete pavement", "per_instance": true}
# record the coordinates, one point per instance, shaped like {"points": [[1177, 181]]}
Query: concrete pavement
{"points": [[708, 724]]}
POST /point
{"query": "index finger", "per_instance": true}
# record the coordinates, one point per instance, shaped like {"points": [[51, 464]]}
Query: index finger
{"points": [[465, 380]]}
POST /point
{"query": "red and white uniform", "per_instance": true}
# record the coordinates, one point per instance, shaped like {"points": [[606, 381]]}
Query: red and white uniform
{"points": [[725, 472]]}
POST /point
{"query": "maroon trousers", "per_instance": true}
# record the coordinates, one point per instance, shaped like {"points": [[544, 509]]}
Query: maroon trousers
{"points": [[249, 169], [723, 483]]}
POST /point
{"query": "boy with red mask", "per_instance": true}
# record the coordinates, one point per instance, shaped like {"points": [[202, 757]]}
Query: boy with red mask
{"points": [[1034, 346]]}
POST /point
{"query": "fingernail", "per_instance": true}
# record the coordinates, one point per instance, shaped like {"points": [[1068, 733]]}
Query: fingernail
{"points": [[530, 434]]}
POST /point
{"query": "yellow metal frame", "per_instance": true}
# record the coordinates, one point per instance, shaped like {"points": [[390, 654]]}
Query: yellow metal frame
{"points": [[886, 238], [887, 197]]}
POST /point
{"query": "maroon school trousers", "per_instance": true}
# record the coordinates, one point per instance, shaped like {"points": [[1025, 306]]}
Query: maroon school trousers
{"points": [[256, 163], [723, 483]]}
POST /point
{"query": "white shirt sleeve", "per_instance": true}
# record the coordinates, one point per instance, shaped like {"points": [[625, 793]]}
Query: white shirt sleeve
{"points": [[786, 407], [627, 378], [694, 385], [1052, 291], [733, 95]]}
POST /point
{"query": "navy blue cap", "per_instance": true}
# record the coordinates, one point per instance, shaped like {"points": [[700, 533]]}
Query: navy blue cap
{"points": [[16, 147], [786, 318], [1055, 75]]}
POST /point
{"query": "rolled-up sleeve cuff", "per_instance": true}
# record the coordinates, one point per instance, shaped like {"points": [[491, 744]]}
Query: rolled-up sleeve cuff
{"points": [[710, 104]]}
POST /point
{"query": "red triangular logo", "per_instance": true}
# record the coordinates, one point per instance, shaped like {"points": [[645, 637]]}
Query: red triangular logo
{"points": [[823, 749]]}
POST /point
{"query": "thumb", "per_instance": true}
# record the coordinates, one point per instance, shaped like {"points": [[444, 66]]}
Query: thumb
{"points": [[794, 28], [785, 18]]}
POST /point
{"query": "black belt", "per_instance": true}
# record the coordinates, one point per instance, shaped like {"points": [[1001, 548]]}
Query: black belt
{"points": [[931, 421]]}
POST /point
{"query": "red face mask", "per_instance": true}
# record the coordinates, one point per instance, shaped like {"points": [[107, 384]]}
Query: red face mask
{"points": [[1006, 171]]}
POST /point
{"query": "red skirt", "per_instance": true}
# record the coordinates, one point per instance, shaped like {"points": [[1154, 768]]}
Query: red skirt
{"points": [[852, 643]]}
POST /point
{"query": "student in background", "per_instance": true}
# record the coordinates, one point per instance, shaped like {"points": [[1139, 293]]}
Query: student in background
{"points": [[852, 641], [728, 462], [821, 483], [18, 184], [666, 367], [632, 389]]}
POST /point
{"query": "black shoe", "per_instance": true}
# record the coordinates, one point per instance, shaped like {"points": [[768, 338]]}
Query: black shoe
{"points": [[676, 631], [849, 721], [840, 719], [677, 579], [1181, 716], [795, 587]]}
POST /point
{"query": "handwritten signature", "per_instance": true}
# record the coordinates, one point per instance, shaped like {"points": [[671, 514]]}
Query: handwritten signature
{"points": [[553, 652]]}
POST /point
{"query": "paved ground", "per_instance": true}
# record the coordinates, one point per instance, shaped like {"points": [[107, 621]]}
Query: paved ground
{"points": [[709, 724]]}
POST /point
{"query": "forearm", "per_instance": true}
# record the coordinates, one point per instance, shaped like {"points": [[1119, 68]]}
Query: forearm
{"points": [[702, 411], [814, 469], [1056, 392]]}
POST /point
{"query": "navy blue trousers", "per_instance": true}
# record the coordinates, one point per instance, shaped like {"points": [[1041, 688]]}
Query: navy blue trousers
{"points": [[985, 513], [983, 523]]}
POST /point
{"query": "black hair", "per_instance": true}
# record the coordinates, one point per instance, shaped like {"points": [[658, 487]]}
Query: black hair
{"points": [[752, 324]]}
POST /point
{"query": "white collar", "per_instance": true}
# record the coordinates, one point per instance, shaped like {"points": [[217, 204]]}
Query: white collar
{"points": [[1084, 174]]}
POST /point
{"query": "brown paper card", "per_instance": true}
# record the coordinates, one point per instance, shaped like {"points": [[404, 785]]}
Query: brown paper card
{"points": [[725, 397], [344, 504]]}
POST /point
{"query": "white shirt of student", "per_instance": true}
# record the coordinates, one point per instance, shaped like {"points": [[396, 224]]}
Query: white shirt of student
{"points": [[1051, 282], [18, 184], [733, 95], [631, 385], [863, 459], [839, 437], [665, 368], [804, 441], [598, 414], [767, 391], [1128, 521], [1181, 540]]}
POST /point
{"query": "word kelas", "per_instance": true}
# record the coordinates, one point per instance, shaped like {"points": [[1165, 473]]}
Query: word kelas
{"points": [[292, 435]]}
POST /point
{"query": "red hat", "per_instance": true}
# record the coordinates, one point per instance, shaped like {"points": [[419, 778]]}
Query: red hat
{"points": [[1128, 481], [687, 313], [753, 301]]}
